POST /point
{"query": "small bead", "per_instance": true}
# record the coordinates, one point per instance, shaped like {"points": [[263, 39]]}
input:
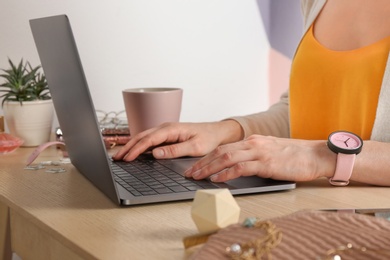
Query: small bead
{"points": [[250, 222], [336, 257], [234, 249]]}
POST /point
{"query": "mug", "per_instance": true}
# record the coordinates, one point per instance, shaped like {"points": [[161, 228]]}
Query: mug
{"points": [[149, 107]]}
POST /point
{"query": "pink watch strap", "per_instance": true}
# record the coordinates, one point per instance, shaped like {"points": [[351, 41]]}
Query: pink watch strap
{"points": [[344, 169]]}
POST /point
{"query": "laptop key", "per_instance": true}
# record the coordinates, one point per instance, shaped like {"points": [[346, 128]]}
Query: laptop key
{"points": [[178, 189], [157, 186], [152, 192], [151, 178], [194, 188], [136, 193], [163, 190]]}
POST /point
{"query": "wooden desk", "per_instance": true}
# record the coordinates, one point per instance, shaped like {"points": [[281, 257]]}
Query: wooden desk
{"points": [[63, 216]]}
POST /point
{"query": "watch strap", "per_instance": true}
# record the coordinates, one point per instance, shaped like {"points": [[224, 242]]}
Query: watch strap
{"points": [[39, 149], [344, 167]]}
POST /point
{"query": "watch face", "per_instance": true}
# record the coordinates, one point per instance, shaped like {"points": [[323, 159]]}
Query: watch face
{"points": [[345, 142]]}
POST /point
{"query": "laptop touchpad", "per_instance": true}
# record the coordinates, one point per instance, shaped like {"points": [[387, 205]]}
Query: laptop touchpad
{"points": [[249, 182], [179, 165]]}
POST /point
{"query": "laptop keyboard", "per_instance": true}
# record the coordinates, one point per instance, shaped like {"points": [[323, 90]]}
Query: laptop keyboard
{"points": [[149, 177]]}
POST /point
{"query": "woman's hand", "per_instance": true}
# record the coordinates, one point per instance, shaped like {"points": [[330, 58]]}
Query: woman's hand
{"points": [[267, 157], [172, 140]]}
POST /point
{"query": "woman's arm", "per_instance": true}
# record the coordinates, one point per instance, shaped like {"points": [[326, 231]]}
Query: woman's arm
{"points": [[372, 165], [173, 140], [290, 159], [275, 121]]}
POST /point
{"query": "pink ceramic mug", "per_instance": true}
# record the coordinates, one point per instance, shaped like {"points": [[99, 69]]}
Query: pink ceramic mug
{"points": [[150, 107]]}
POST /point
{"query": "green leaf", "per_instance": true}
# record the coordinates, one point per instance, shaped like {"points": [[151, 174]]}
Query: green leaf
{"points": [[23, 82]]}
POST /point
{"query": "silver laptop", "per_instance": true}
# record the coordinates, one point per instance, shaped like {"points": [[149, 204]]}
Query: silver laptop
{"points": [[145, 180]]}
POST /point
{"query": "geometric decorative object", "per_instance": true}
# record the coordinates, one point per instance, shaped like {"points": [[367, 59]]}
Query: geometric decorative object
{"points": [[213, 209]]}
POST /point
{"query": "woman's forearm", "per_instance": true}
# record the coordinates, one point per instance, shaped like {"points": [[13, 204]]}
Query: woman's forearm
{"points": [[372, 165]]}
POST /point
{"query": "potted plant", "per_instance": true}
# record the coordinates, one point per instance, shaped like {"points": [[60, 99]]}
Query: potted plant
{"points": [[27, 104]]}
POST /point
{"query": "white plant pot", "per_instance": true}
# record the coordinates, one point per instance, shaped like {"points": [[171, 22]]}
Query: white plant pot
{"points": [[32, 121]]}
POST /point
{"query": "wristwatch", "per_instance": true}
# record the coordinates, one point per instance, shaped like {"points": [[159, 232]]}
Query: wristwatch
{"points": [[347, 145]]}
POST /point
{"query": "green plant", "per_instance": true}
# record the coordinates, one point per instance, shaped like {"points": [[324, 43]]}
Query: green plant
{"points": [[23, 83]]}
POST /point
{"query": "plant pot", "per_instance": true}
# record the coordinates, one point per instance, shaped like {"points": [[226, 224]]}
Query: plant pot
{"points": [[32, 121]]}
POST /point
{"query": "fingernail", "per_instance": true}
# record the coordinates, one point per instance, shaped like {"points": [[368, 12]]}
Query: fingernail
{"points": [[187, 173], [196, 174], [158, 153], [214, 178]]}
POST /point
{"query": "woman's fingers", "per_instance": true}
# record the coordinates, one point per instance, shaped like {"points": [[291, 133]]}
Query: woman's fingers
{"points": [[221, 159], [247, 168], [139, 144], [172, 140]]}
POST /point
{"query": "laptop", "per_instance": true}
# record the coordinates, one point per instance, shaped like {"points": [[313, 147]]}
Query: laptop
{"points": [[125, 183]]}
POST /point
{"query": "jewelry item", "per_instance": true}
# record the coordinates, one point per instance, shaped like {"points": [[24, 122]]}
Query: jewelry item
{"points": [[257, 248]]}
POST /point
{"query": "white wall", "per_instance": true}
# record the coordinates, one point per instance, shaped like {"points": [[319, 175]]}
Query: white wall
{"points": [[216, 50]]}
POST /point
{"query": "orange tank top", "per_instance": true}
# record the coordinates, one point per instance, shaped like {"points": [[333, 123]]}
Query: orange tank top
{"points": [[335, 90]]}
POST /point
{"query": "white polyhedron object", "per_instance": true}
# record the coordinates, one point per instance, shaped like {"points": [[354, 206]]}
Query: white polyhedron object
{"points": [[214, 209]]}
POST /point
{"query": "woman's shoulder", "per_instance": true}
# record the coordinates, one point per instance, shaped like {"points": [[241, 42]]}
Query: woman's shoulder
{"points": [[310, 10], [308, 4]]}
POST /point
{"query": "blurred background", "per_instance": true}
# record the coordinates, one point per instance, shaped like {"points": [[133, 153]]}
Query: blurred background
{"points": [[231, 57]]}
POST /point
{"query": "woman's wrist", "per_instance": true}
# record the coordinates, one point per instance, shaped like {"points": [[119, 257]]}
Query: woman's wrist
{"points": [[232, 131], [328, 160]]}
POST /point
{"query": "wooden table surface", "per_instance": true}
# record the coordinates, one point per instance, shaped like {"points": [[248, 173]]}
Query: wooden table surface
{"points": [[63, 216]]}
